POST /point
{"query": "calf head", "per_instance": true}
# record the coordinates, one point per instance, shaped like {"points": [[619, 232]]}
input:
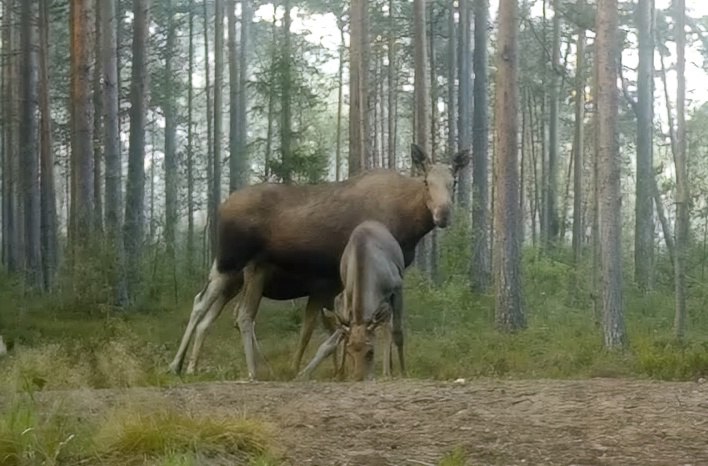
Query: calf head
{"points": [[359, 338], [440, 179]]}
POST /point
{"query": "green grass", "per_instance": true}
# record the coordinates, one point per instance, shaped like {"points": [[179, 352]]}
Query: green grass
{"points": [[31, 435]]}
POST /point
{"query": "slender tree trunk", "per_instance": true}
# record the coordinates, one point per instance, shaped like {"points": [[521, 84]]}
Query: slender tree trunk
{"points": [[211, 202], [97, 125], [286, 123], [682, 189], [340, 98], [608, 161], [28, 145], [451, 75], [190, 146], [171, 180], [433, 237], [135, 186], [421, 109], [111, 143], [392, 86], [553, 137], [358, 86], [235, 166], [82, 121], [509, 307], [271, 100], [481, 269], [48, 207], [579, 147], [218, 114], [8, 247], [242, 142], [644, 211], [465, 102]]}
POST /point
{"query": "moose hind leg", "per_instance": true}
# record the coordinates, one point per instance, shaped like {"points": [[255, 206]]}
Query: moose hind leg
{"points": [[397, 327], [254, 278], [215, 288], [312, 310]]}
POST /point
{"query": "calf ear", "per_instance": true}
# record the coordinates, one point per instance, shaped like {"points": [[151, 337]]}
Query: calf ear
{"points": [[420, 159], [460, 160]]}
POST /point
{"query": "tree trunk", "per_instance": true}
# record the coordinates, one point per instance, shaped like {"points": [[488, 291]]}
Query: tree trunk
{"points": [[465, 102], [608, 170], [509, 295], [579, 147], [111, 143], [48, 207], [481, 269], [286, 123], [28, 146], [682, 189], [211, 202], [235, 166], [451, 74], [7, 221], [97, 125], [392, 87], [134, 227], [218, 114], [421, 109], [358, 86], [644, 211], [340, 99], [171, 179], [82, 122], [190, 146], [553, 137], [242, 141]]}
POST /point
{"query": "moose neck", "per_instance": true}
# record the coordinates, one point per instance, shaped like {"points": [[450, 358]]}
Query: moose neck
{"points": [[416, 218]]}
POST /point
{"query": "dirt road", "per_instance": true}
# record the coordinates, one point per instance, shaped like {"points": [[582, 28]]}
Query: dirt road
{"points": [[407, 422]]}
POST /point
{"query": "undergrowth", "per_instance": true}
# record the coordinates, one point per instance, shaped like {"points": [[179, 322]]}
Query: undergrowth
{"points": [[449, 331], [31, 434]]}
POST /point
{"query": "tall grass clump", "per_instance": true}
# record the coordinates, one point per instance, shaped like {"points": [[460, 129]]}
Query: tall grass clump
{"points": [[128, 437]]}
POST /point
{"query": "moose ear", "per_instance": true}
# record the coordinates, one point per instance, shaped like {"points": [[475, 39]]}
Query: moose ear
{"points": [[460, 160], [420, 159]]}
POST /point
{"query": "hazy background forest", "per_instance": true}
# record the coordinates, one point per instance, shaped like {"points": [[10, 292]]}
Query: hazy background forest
{"points": [[125, 123]]}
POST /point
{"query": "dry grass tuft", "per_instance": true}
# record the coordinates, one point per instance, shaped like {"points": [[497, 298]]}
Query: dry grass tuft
{"points": [[130, 436]]}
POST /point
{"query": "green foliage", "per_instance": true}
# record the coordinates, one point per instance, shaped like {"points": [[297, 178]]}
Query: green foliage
{"points": [[456, 457]]}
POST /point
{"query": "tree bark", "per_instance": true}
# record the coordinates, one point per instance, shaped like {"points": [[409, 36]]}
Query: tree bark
{"points": [[211, 202], [134, 228], [392, 87], [48, 207], [682, 189], [608, 170], [465, 102], [97, 124], [235, 165], [644, 210], [286, 122], [242, 143], [579, 147], [553, 130], [358, 86], [111, 143], [28, 146], [190, 146], [82, 122], [218, 113], [509, 308], [480, 276], [340, 100], [171, 177]]}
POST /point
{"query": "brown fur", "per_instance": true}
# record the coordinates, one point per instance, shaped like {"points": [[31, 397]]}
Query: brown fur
{"points": [[296, 235]]}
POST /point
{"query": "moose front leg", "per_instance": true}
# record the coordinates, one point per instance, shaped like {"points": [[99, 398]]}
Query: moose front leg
{"points": [[397, 327]]}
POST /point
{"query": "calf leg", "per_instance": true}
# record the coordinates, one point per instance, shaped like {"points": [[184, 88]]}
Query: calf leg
{"points": [[216, 287], [397, 327], [254, 278], [330, 324], [325, 349]]}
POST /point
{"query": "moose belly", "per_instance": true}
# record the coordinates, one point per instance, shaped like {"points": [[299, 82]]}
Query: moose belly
{"points": [[307, 262]]}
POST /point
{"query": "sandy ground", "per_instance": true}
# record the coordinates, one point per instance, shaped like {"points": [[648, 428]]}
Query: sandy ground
{"points": [[411, 422]]}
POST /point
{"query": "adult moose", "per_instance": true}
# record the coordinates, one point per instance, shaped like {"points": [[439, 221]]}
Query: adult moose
{"points": [[372, 274], [271, 229]]}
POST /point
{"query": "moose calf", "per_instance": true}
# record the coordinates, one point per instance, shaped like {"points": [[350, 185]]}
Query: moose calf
{"points": [[371, 269]]}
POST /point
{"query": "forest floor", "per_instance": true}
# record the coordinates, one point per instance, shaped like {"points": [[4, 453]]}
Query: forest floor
{"points": [[413, 422]]}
